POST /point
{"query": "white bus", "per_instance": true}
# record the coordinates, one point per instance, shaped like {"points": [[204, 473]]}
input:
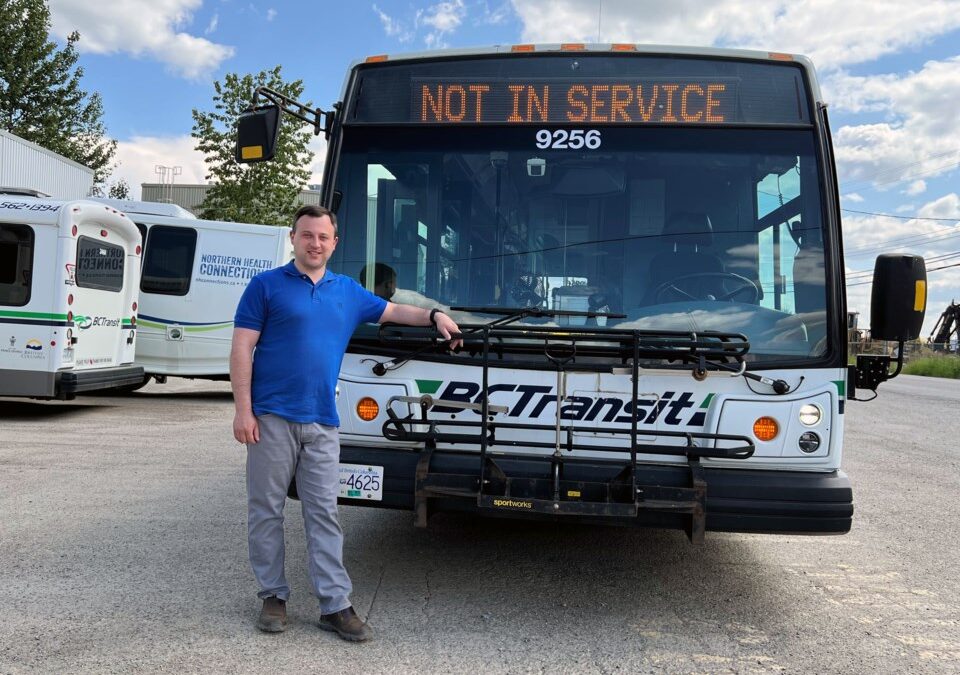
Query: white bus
{"points": [[194, 272], [642, 247], [68, 297]]}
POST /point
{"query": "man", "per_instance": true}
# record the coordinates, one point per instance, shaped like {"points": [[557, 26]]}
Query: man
{"points": [[292, 327], [384, 280]]}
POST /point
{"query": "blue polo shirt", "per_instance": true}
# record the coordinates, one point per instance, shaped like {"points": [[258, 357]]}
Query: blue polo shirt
{"points": [[304, 331]]}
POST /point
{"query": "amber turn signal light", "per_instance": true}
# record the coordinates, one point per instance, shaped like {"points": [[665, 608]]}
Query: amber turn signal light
{"points": [[367, 409], [766, 428]]}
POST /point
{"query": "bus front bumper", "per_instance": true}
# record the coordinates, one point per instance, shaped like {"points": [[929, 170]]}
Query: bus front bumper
{"points": [[721, 500]]}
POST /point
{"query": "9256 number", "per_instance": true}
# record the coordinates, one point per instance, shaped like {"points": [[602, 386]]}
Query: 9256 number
{"points": [[573, 139]]}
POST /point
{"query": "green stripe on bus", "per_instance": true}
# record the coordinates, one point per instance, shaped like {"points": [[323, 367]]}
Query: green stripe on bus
{"points": [[706, 401], [841, 387], [33, 315]]}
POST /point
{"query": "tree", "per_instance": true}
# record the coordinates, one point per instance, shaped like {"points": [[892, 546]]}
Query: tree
{"points": [[40, 95], [265, 192], [119, 189]]}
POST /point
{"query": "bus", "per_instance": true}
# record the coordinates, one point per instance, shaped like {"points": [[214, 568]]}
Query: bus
{"points": [[642, 248], [68, 297], [194, 272]]}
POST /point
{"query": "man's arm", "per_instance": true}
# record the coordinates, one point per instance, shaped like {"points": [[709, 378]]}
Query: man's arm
{"points": [[245, 427], [409, 315]]}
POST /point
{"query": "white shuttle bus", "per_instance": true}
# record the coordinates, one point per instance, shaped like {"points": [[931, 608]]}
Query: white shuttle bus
{"points": [[642, 247], [69, 272], [194, 272]]}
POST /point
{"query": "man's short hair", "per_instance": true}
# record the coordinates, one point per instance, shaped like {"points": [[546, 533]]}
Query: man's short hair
{"points": [[315, 211], [381, 273]]}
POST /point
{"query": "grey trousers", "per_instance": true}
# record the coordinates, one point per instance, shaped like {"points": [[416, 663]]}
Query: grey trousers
{"points": [[313, 452]]}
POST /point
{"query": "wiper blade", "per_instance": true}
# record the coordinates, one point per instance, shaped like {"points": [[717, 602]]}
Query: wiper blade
{"points": [[511, 314]]}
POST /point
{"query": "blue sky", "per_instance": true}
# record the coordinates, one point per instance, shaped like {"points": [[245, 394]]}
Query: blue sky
{"points": [[889, 69]]}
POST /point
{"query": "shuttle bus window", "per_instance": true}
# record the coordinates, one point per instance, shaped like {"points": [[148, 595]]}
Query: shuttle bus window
{"points": [[99, 265], [16, 264], [168, 260]]}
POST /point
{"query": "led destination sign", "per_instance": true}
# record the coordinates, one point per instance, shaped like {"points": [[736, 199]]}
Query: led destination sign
{"points": [[620, 101]]}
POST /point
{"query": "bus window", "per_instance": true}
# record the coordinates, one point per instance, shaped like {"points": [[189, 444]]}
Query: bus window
{"points": [[99, 265], [16, 264], [168, 260]]}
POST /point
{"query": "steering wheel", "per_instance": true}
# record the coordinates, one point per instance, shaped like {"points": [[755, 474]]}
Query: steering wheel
{"points": [[662, 292]]}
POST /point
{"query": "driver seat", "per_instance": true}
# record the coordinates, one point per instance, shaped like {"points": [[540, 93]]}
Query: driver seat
{"points": [[686, 234]]}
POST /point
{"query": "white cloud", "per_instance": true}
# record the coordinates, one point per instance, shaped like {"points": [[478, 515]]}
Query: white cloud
{"points": [[916, 187], [439, 20], [212, 26], [831, 33], [140, 27], [495, 17], [852, 197], [393, 27], [139, 157], [920, 135], [271, 14]]}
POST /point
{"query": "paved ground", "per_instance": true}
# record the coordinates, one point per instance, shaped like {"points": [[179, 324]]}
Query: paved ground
{"points": [[122, 547]]}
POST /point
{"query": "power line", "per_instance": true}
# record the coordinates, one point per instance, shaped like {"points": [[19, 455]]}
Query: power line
{"points": [[890, 215], [932, 269]]}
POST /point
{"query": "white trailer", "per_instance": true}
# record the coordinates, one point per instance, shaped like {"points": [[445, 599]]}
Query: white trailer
{"points": [[194, 272], [69, 272]]}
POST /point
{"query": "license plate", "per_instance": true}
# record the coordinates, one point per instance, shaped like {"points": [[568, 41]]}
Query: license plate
{"points": [[361, 482]]}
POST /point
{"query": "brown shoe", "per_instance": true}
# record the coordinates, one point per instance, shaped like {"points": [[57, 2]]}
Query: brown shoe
{"points": [[273, 615], [347, 625]]}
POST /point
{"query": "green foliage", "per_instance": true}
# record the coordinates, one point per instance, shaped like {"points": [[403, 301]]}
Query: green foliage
{"points": [[40, 95], [934, 366], [119, 190], [265, 192]]}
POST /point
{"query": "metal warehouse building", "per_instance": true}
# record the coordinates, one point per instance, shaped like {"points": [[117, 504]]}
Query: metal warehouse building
{"points": [[27, 165], [190, 196]]}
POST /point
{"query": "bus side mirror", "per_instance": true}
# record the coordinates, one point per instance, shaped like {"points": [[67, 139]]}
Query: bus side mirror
{"points": [[897, 305], [899, 298], [257, 131]]}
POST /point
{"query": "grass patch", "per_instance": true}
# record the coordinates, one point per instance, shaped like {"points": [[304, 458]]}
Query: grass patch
{"points": [[934, 366]]}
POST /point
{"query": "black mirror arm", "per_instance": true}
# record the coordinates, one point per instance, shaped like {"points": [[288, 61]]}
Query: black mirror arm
{"points": [[320, 120]]}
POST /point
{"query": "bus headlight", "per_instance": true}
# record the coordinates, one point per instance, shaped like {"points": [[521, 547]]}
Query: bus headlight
{"points": [[809, 442], [810, 415]]}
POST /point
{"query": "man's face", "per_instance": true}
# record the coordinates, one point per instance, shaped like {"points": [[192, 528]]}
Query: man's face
{"points": [[314, 242], [386, 289]]}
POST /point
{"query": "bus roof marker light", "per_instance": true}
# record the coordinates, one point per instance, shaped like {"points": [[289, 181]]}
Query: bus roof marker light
{"points": [[522, 48], [573, 47], [766, 428], [780, 56], [623, 47], [379, 58]]}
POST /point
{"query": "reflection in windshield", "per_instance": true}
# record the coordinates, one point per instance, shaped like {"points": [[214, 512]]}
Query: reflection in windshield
{"points": [[679, 230]]}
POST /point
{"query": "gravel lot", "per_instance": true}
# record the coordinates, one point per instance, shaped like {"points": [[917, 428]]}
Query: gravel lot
{"points": [[122, 524]]}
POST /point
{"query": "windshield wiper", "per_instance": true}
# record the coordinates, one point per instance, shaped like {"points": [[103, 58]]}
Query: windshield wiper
{"points": [[510, 314]]}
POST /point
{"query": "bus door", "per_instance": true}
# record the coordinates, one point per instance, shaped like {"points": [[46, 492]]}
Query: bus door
{"points": [[103, 310]]}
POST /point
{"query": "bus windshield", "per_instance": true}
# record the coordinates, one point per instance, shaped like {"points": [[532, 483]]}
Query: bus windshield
{"points": [[679, 229]]}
